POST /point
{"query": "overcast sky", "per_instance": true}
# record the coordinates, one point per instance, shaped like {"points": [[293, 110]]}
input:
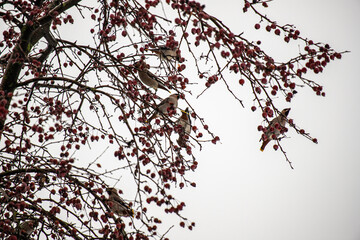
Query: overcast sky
{"points": [[246, 194]]}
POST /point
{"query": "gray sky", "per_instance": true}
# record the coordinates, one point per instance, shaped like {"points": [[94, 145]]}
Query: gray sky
{"points": [[246, 194]]}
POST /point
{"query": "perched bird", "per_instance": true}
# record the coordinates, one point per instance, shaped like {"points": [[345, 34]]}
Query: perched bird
{"points": [[167, 53], [276, 126], [169, 103], [148, 78], [42, 180], [185, 122], [117, 205], [26, 228]]}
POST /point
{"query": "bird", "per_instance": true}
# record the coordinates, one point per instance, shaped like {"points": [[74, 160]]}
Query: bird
{"points": [[169, 103], [275, 127], [147, 77], [117, 204], [185, 122], [42, 180], [167, 53], [26, 228]]}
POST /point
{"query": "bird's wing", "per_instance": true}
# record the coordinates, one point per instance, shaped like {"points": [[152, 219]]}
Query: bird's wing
{"points": [[275, 120], [163, 102], [118, 200], [150, 74], [157, 78]]}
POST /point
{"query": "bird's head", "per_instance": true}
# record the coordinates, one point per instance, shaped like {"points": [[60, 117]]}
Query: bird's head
{"points": [[175, 95], [285, 112], [137, 64], [111, 191], [140, 65]]}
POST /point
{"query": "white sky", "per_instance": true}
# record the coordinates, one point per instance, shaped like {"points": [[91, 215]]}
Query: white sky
{"points": [[246, 194]]}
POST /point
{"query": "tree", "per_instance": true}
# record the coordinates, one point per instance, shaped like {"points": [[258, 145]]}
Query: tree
{"points": [[65, 92]]}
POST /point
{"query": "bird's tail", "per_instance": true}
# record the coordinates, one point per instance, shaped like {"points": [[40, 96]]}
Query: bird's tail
{"points": [[154, 50], [131, 212], [262, 148], [161, 86]]}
